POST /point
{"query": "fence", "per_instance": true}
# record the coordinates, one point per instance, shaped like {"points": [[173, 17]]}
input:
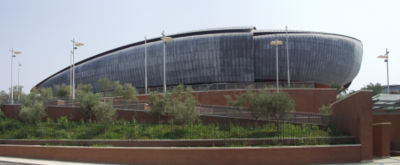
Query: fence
{"points": [[233, 86], [243, 113]]}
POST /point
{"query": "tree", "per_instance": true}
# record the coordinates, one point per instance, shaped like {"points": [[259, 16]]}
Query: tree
{"points": [[180, 105], [32, 105], [376, 88], [104, 112], [87, 101], [62, 91], [127, 91], [325, 110], [106, 85], [264, 104], [84, 88]]}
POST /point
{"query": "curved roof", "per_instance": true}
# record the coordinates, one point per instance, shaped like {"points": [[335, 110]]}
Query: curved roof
{"points": [[247, 29]]}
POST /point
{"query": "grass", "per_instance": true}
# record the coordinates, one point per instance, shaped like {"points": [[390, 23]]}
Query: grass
{"points": [[64, 129]]}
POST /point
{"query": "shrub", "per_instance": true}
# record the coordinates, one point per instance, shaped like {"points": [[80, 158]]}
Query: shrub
{"points": [[32, 105], [325, 110], [376, 88], [127, 91], [104, 112], [180, 105], [84, 88], [33, 113], [106, 85], [264, 103], [87, 101], [62, 91]]}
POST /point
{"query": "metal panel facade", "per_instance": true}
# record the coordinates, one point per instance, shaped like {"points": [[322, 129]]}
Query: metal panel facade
{"points": [[222, 57]]}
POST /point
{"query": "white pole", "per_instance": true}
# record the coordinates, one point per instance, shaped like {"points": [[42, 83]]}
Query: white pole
{"points": [[387, 70], [18, 87], [164, 77], [287, 57], [70, 72], [277, 69], [12, 90], [145, 65], [73, 69]]}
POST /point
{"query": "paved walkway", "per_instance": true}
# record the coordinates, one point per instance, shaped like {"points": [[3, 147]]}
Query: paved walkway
{"points": [[23, 161]]}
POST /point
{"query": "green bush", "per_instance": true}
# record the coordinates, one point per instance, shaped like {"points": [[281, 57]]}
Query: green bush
{"points": [[106, 85], [104, 112], [63, 91], [325, 110], [180, 105], [32, 106], [127, 91], [264, 103], [87, 101]]}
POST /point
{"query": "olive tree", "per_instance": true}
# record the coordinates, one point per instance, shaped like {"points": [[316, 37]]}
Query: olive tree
{"points": [[180, 105], [62, 91], [263, 103], [106, 85], [33, 105], [376, 88], [126, 91], [104, 112]]}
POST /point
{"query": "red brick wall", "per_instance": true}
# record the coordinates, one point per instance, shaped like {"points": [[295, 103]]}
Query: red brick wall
{"points": [[191, 156], [393, 118], [307, 100], [354, 115], [382, 136]]}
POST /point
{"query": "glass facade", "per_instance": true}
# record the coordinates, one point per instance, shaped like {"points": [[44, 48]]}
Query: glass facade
{"points": [[223, 56]]}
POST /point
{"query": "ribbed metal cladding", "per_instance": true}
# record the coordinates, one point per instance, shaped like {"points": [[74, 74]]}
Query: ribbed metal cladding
{"points": [[223, 56]]}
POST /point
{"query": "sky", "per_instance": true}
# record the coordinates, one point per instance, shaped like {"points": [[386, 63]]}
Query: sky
{"points": [[43, 29]]}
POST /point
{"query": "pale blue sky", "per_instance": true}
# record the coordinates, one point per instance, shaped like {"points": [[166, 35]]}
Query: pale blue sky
{"points": [[42, 29]]}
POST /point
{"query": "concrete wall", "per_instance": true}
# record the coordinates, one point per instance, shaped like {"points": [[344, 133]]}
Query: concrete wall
{"points": [[354, 115], [190, 155]]}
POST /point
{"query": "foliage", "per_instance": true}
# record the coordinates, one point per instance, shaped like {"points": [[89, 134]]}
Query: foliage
{"points": [[65, 129], [45, 94], [104, 112], [106, 85], [87, 101], [325, 110], [180, 105], [127, 91], [3, 97], [157, 103], [32, 107], [264, 103], [376, 88], [62, 91], [84, 88]]}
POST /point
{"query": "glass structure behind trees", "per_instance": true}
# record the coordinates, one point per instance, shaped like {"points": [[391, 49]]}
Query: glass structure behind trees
{"points": [[227, 55]]}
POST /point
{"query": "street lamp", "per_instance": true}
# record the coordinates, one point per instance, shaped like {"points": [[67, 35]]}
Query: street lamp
{"points": [[13, 53], [145, 65], [386, 57], [165, 39], [287, 57], [18, 87], [276, 43], [75, 45]]}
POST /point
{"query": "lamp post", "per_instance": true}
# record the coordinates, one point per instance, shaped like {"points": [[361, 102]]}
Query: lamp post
{"points": [[287, 57], [165, 39], [18, 87], [145, 65], [276, 43], [13, 54], [75, 45], [386, 57]]}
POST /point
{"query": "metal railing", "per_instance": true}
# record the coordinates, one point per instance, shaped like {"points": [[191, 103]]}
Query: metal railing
{"points": [[243, 113], [233, 86]]}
